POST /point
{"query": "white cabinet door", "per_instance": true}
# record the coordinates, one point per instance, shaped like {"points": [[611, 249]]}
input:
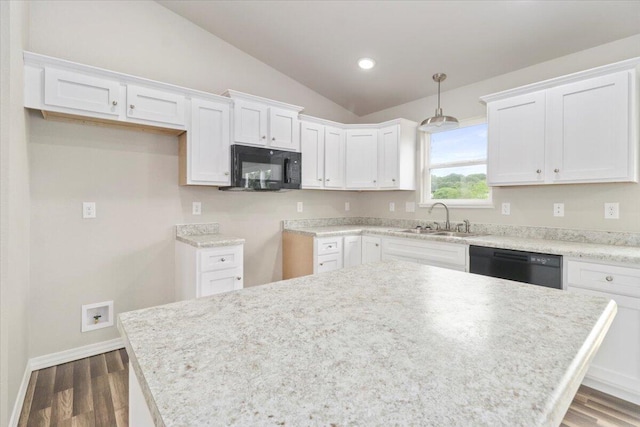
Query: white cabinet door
{"points": [[333, 157], [86, 94], [283, 129], [371, 249], [312, 146], [588, 130], [352, 248], [154, 105], [388, 163], [250, 123], [362, 158], [216, 282], [208, 143], [516, 147]]}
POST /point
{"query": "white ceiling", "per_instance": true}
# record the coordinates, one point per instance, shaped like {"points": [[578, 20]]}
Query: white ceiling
{"points": [[318, 42]]}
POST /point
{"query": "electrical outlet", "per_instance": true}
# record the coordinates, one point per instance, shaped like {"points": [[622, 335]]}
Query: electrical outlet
{"points": [[558, 209], [347, 206], [506, 208], [612, 210], [410, 207], [88, 210], [196, 208], [299, 206], [392, 207]]}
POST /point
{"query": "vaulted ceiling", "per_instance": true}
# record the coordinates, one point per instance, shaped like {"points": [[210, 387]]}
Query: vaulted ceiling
{"points": [[319, 42]]}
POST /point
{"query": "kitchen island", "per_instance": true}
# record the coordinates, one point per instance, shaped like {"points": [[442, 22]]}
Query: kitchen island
{"points": [[391, 343]]}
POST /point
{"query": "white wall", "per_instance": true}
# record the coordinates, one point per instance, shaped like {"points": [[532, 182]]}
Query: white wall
{"points": [[529, 205], [127, 253], [14, 207]]}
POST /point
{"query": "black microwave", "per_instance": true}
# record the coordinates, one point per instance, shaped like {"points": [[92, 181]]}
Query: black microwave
{"points": [[264, 169]]}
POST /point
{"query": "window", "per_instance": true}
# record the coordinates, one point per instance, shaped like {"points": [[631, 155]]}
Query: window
{"points": [[455, 167]]}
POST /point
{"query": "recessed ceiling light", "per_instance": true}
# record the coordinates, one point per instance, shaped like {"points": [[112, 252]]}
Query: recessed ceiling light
{"points": [[366, 63]]}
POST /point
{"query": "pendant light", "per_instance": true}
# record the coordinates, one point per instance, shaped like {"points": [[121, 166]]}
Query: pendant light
{"points": [[439, 123]]}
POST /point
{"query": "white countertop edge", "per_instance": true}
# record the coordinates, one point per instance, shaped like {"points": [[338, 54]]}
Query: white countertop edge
{"points": [[563, 395]]}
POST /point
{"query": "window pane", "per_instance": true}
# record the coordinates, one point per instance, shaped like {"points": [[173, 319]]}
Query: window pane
{"points": [[466, 143], [466, 182]]}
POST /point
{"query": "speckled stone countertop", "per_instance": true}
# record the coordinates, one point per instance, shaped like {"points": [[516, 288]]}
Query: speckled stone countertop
{"points": [[204, 236], [389, 343], [595, 251]]}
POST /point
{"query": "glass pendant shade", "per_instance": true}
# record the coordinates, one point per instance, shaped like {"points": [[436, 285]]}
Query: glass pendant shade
{"points": [[439, 122]]}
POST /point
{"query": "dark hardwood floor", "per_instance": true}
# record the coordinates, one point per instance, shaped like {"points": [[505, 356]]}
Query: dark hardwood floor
{"points": [[94, 392]]}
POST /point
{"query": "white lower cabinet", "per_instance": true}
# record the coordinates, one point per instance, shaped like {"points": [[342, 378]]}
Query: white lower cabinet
{"points": [[440, 254], [371, 249], [352, 251], [327, 254], [615, 369], [207, 271]]}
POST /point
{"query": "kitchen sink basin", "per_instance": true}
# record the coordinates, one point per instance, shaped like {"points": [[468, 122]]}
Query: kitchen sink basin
{"points": [[419, 231], [439, 232]]}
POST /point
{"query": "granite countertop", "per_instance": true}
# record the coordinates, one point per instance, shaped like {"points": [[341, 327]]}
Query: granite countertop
{"points": [[205, 236], [603, 252], [389, 343]]}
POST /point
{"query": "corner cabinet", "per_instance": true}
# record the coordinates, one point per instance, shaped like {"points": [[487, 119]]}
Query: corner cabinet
{"points": [[580, 128], [264, 122], [615, 369], [204, 149]]}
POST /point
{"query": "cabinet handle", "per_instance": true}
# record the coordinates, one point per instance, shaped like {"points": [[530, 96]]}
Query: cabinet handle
{"points": [[222, 260], [609, 278], [539, 171], [329, 247], [321, 264], [319, 179], [114, 102], [273, 138], [132, 106], [226, 173], [556, 170], [327, 180], [393, 179], [264, 137], [377, 244], [374, 181], [238, 278]]}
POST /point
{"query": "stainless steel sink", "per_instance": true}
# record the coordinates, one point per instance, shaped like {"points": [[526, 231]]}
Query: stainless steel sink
{"points": [[453, 234], [419, 231]]}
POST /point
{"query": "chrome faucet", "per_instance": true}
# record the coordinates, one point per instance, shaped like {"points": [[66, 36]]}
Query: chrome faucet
{"points": [[447, 225]]}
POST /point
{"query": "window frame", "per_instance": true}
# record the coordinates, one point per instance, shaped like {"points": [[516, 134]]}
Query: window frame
{"points": [[426, 166]]}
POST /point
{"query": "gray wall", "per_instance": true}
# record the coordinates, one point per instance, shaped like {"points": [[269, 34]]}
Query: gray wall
{"points": [[14, 207], [532, 205], [127, 253]]}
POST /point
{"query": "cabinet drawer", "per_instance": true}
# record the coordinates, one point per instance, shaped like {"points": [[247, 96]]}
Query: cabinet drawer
{"points": [[329, 245], [329, 263], [155, 105], [604, 278], [222, 258], [215, 282]]}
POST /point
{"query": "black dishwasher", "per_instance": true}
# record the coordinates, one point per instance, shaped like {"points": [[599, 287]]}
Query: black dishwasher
{"points": [[527, 267]]}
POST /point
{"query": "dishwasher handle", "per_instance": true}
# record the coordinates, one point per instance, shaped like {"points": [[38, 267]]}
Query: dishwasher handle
{"points": [[511, 256]]}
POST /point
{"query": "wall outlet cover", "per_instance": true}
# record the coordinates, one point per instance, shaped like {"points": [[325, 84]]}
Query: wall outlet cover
{"points": [[612, 210], [506, 208], [88, 210], [558, 209], [299, 206], [196, 208], [392, 207], [410, 207], [347, 206]]}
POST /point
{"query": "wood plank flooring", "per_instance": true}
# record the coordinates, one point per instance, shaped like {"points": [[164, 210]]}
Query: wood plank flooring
{"points": [[91, 392], [94, 392]]}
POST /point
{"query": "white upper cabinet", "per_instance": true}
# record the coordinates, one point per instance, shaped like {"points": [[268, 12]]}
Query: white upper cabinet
{"points": [[204, 148], [312, 146], [83, 93], [155, 105], [361, 159], [333, 157], [265, 122], [388, 157], [516, 140], [588, 130], [574, 129]]}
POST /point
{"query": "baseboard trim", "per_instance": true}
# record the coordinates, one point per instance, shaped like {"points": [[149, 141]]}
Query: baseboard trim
{"points": [[53, 359], [22, 392], [72, 354]]}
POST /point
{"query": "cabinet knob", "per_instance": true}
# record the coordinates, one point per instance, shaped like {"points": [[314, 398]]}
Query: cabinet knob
{"points": [[329, 247], [374, 181], [238, 278], [132, 106], [114, 102], [273, 138], [393, 179], [319, 179], [539, 171], [377, 244], [556, 170], [264, 137], [609, 278], [222, 260], [321, 264], [226, 173], [327, 179]]}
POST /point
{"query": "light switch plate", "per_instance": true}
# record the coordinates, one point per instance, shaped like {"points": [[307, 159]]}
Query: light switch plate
{"points": [[196, 208], [88, 210], [506, 208], [612, 210], [558, 209], [392, 207], [410, 207]]}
